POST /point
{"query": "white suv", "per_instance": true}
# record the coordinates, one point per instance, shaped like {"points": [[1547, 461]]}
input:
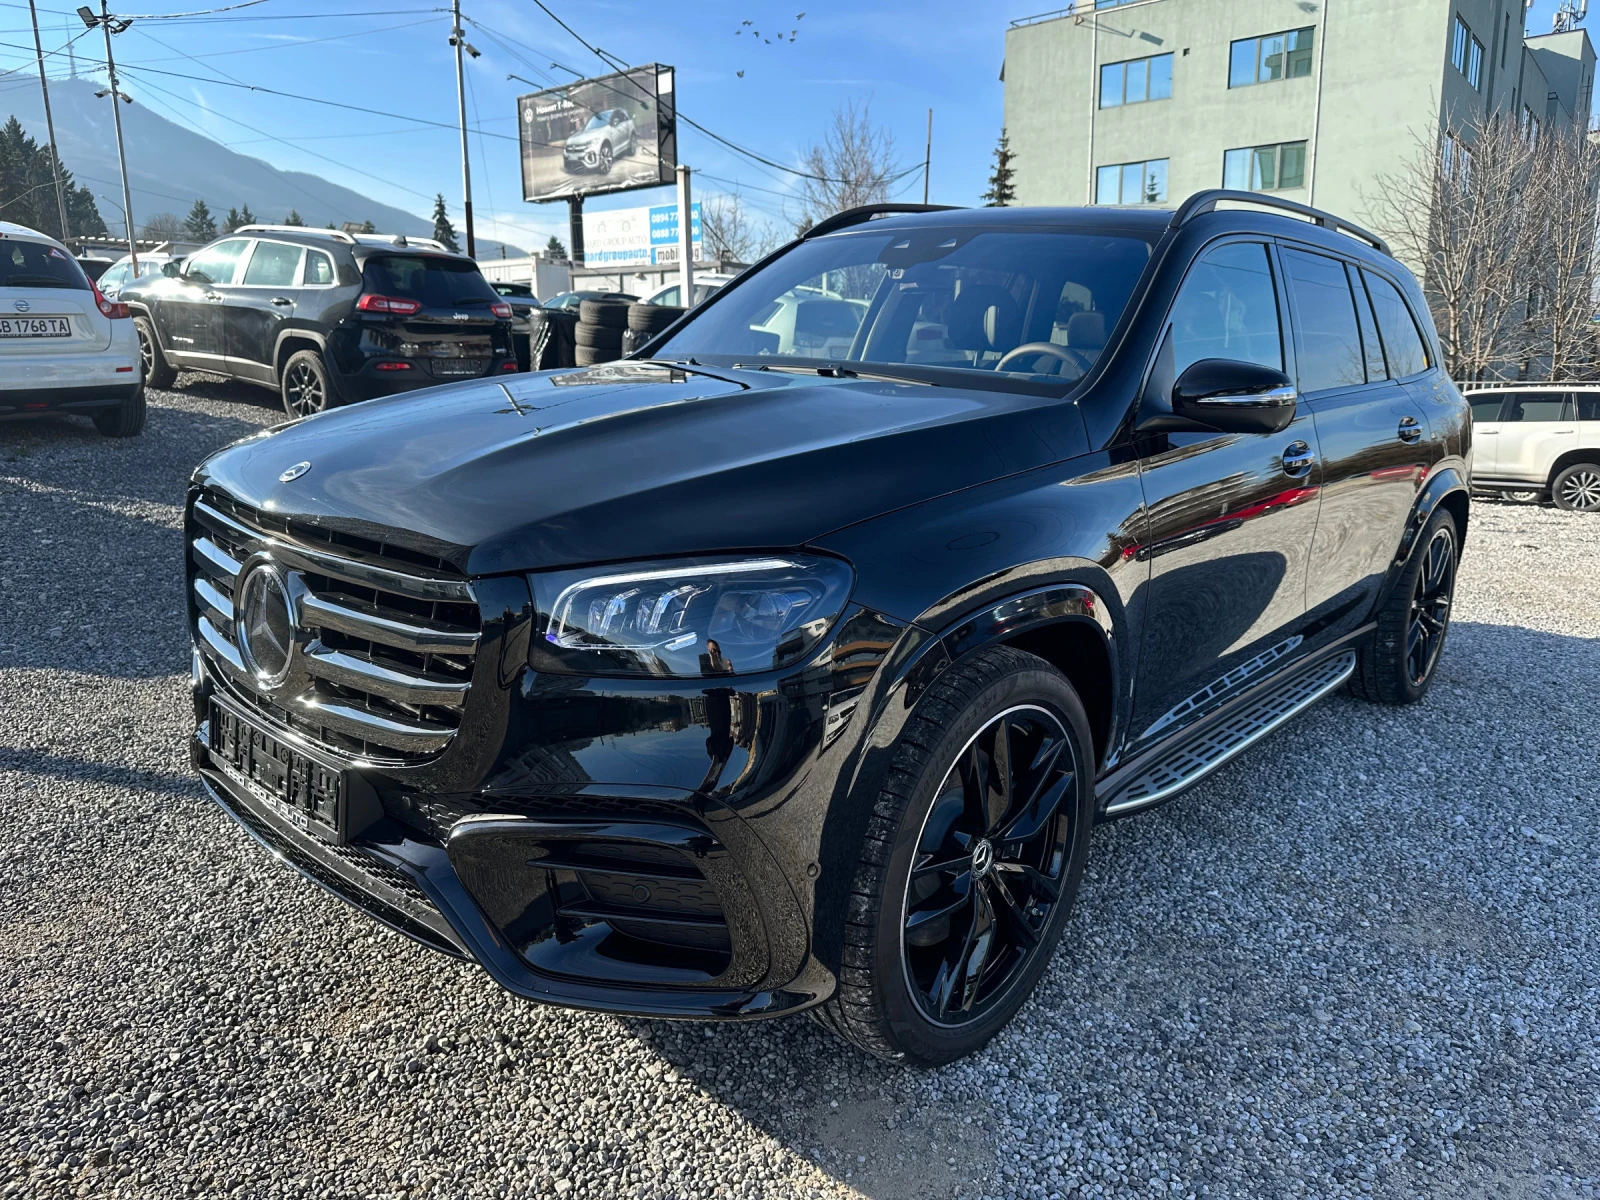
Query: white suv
{"points": [[1539, 440], [64, 348]]}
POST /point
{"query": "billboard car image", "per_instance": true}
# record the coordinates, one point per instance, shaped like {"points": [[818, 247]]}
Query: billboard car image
{"points": [[599, 135]]}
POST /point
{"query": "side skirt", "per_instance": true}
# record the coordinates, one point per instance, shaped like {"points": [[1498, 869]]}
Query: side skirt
{"points": [[1166, 771]]}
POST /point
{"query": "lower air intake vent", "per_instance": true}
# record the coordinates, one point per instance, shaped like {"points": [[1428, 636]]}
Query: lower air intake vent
{"points": [[624, 901]]}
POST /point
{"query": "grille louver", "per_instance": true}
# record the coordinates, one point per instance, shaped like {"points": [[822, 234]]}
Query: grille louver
{"points": [[388, 636]]}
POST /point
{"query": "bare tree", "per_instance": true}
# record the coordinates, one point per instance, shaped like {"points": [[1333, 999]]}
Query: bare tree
{"points": [[1561, 270], [1459, 214], [853, 165], [162, 227]]}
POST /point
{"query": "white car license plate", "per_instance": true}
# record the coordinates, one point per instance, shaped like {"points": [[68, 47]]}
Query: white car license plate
{"points": [[32, 327]]}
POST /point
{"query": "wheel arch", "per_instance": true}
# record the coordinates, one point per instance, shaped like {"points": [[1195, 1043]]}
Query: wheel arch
{"points": [[1446, 486], [290, 342], [1588, 454]]}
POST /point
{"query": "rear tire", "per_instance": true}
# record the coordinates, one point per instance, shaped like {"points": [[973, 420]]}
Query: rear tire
{"points": [[125, 420], [158, 372], [1577, 488], [610, 314], [304, 385], [963, 887], [1397, 664]]}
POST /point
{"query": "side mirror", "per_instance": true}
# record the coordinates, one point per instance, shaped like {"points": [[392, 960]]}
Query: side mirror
{"points": [[1234, 397]]}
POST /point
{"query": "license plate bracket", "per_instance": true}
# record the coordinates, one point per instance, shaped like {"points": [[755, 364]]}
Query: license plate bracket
{"points": [[35, 327], [308, 791]]}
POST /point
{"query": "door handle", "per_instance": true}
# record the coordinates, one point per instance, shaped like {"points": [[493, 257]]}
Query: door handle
{"points": [[282, 300], [214, 297], [1410, 431], [1297, 460]]}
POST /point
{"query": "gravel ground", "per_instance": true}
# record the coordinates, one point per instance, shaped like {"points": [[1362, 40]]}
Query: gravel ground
{"points": [[1362, 960]]}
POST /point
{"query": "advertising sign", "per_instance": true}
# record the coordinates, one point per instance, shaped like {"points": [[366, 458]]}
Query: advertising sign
{"points": [[609, 134], [636, 237]]}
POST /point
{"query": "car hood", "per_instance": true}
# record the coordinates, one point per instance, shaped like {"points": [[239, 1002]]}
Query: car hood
{"points": [[632, 460]]}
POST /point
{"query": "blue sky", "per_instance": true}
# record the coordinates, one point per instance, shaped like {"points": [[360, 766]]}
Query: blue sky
{"points": [[901, 58]]}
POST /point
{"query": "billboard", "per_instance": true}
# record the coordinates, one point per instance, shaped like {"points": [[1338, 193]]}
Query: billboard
{"points": [[599, 135], [637, 237]]}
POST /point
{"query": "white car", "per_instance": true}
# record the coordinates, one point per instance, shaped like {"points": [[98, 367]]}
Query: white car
{"points": [[671, 294], [64, 348], [1538, 441], [120, 273]]}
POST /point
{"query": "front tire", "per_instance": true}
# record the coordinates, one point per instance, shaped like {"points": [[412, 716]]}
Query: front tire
{"points": [[1397, 664], [158, 372], [1577, 488], [125, 420], [304, 385], [972, 860]]}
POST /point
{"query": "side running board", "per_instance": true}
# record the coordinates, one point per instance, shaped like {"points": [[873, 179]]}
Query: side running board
{"points": [[1196, 758]]}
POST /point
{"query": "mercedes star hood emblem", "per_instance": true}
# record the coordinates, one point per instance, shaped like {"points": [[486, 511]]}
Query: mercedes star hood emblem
{"points": [[294, 472]]}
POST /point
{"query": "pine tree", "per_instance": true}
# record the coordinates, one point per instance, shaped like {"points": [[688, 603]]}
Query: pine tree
{"points": [[200, 225], [293, 218], [1002, 187], [553, 249], [27, 188], [232, 221], [443, 231], [246, 217], [368, 227]]}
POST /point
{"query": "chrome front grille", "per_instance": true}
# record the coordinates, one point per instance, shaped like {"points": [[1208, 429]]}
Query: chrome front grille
{"points": [[385, 637]]}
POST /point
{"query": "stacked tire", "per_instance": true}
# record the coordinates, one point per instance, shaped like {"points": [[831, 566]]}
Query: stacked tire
{"points": [[599, 333], [645, 321]]}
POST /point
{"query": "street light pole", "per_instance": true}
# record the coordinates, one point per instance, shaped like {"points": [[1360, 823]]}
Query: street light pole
{"points": [[49, 124], [110, 25], [459, 41]]}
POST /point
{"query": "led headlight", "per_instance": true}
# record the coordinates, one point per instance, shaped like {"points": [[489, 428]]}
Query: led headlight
{"points": [[691, 618]]}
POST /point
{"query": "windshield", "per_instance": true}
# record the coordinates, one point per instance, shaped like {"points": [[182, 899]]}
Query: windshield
{"points": [[36, 265], [598, 121], [437, 282], [953, 297]]}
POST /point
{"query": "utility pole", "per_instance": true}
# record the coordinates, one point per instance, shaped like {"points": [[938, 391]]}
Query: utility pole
{"points": [[575, 228], [685, 240], [49, 124], [459, 41], [927, 158], [110, 25]]}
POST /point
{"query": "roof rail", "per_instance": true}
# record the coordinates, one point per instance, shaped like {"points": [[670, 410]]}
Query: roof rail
{"points": [[337, 234], [401, 239], [1207, 201], [855, 216]]}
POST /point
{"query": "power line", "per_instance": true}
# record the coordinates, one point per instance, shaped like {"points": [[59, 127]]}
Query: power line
{"points": [[205, 12], [297, 45]]}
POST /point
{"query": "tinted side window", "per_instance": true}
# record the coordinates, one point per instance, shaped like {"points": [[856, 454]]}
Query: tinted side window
{"points": [[1588, 405], [274, 264], [1401, 341], [319, 268], [1486, 407], [1370, 344], [1538, 406], [216, 264], [1228, 309], [1328, 341]]}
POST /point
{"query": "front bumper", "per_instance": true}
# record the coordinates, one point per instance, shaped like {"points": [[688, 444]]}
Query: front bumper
{"points": [[414, 886]]}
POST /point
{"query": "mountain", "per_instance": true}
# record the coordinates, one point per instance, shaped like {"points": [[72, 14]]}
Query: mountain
{"points": [[169, 166]]}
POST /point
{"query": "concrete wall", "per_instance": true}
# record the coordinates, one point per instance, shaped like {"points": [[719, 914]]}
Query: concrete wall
{"points": [[1381, 82]]}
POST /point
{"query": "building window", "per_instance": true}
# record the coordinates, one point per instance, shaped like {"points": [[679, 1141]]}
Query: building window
{"points": [[1530, 126], [1455, 159], [1132, 183], [1136, 81], [1270, 58], [1466, 53], [1265, 168]]}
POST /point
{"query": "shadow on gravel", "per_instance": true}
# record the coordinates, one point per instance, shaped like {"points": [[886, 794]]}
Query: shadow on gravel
{"points": [[71, 767], [1279, 951]]}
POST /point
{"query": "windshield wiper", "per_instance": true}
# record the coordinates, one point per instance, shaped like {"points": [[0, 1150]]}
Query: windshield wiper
{"points": [[830, 370]]}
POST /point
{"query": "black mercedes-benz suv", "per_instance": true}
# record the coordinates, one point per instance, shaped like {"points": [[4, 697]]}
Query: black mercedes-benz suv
{"points": [[790, 663], [322, 317]]}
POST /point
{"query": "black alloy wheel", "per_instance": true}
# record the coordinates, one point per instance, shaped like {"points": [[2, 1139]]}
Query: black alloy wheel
{"points": [[1577, 489], [605, 157], [1430, 605], [305, 386], [989, 866]]}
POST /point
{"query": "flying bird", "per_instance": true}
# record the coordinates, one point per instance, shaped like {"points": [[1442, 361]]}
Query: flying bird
{"points": [[747, 22], [740, 74], [799, 16]]}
